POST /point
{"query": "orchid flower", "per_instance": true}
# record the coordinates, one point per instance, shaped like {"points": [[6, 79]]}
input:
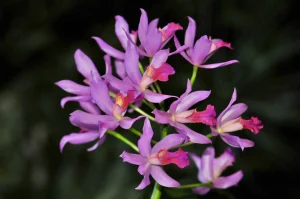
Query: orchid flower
{"points": [[121, 28], [152, 38], [211, 168], [229, 121], [179, 113], [197, 54], [150, 159]]}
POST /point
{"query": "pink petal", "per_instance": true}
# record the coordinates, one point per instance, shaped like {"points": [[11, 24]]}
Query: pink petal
{"points": [[162, 178], [233, 112], [237, 142], [210, 66], [223, 161], [207, 164], [162, 117], [78, 138], [191, 99], [108, 49], [131, 158], [143, 26], [121, 27], [159, 58], [190, 33], [144, 143], [155, 97], [126, 122], [229, 181], [74, 88], [146, 180], [167, 142], [179, 47], [84, 64], [90, 107], [76, 99], [201, 190]]}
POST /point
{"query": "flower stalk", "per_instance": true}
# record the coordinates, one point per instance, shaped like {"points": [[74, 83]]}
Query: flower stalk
{"points": [[156, 191], [194, 75], [123, 139]]}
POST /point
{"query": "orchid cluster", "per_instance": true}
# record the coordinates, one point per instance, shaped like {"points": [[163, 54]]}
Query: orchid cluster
{"points": [[105, 101]]}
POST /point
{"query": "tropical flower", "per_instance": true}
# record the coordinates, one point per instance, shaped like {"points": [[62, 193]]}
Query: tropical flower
{"points": [[230, 120], [151, 159], [197, 54], [179, 114], [211, 168]]}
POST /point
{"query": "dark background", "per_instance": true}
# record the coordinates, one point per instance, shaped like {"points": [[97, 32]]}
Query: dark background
{"points": [[37, 42]]}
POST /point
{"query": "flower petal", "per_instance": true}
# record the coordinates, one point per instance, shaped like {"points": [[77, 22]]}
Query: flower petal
{"points": [[131, 64], [201, 190], [162, 117], [120, 69], [191, 99], [207, 164], [121, 27], [237, 142], [108, 49], [84, 64], [233, 112], [201, 50], [131, 158], [78, 138], [127, 122], [143, 26], [74, 88], [190, 33], [154, 39], [95, 146], [144, 142], [167, 142], [156, 97], [182, 53], [159, 58], [174, 105], [162, 178], [233, 99], [229, 181], [76, 99], [118, 84], [146, 180], [192, 135], [197, 161], [107, 64], [90, 107], [216, 65], [223, 161]]}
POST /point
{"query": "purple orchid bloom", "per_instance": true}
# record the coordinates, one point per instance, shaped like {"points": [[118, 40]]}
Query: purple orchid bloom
{"points": [[199, 53], [83, 92], [210, 169], [229, 121], [121, 28], [152, 38], [179, 114], [150, 159]]}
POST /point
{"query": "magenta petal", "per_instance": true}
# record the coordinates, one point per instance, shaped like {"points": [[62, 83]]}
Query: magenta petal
{"points": [[131, 158], [201, 50], [95, 146], [229, 181], [162, 117], [233, 98], [174, 105], [207, 163], [162, 178], [84, 64], [201, 190], [155, 97], [154, 39], [197, 161], [192, 135], [107, 64], [76, 99], [159, 58], [131, 63], [237, 142], [167, 142], [223, 161], [182, 53], [120, 69], [127, 122], [233, 112], [78, 138], [121, 27], [146, 180], [210, 66], [108, 49], [90, 107], [191, 99], [143, 26], [190, 33], [74, 88], [144, 143]]}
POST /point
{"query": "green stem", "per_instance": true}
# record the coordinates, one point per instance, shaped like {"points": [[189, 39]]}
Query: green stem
{"points": [[123, 139], [153, 88], [189, 186], [156, 192], [194, 75], [164, 132], [149, 104], [141, 68], [138, 133], [142, 112], [190, 143], [157, 87]]}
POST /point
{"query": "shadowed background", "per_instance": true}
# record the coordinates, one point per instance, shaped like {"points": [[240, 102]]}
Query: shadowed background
{"points": [[37, 41]]}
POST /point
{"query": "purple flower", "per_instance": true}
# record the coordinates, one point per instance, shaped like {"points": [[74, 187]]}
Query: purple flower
{"points": [[211, 168], [150, 159], [152, 38], [179, 113], [229, 121], [121, 28], [197, 54]]}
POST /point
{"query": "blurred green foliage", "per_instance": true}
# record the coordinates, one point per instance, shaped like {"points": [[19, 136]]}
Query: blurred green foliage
{"points": [[38, 39]]}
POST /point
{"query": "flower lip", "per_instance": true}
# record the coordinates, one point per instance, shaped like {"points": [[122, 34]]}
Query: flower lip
{"points": [[179, 157]]}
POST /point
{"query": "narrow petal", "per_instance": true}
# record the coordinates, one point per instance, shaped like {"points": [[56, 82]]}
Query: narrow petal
{"points": [[76, 99], [229, 181], [201, 190], [162, 117], [84, 64], [167, 143], [174, 105], [78, 138], [210, 66], [100, 95], [162, 178], [118, 84], [233, 99], [154, 39], [90, 107], [143, 26], [107, 64], [131, 64], [201, 50], [191, 99], [223, 161], [182, 53], [120, 69], [192, 135], [190, 33], [156, 97], [233, 112], [179, 50], [121, 27], [197, 161], [159, 58], [108, 49], [207, 164], [95, 146], [127, 122], [74, 88], [146, 180], [131, 158], [144, 142], [237, 142]]}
